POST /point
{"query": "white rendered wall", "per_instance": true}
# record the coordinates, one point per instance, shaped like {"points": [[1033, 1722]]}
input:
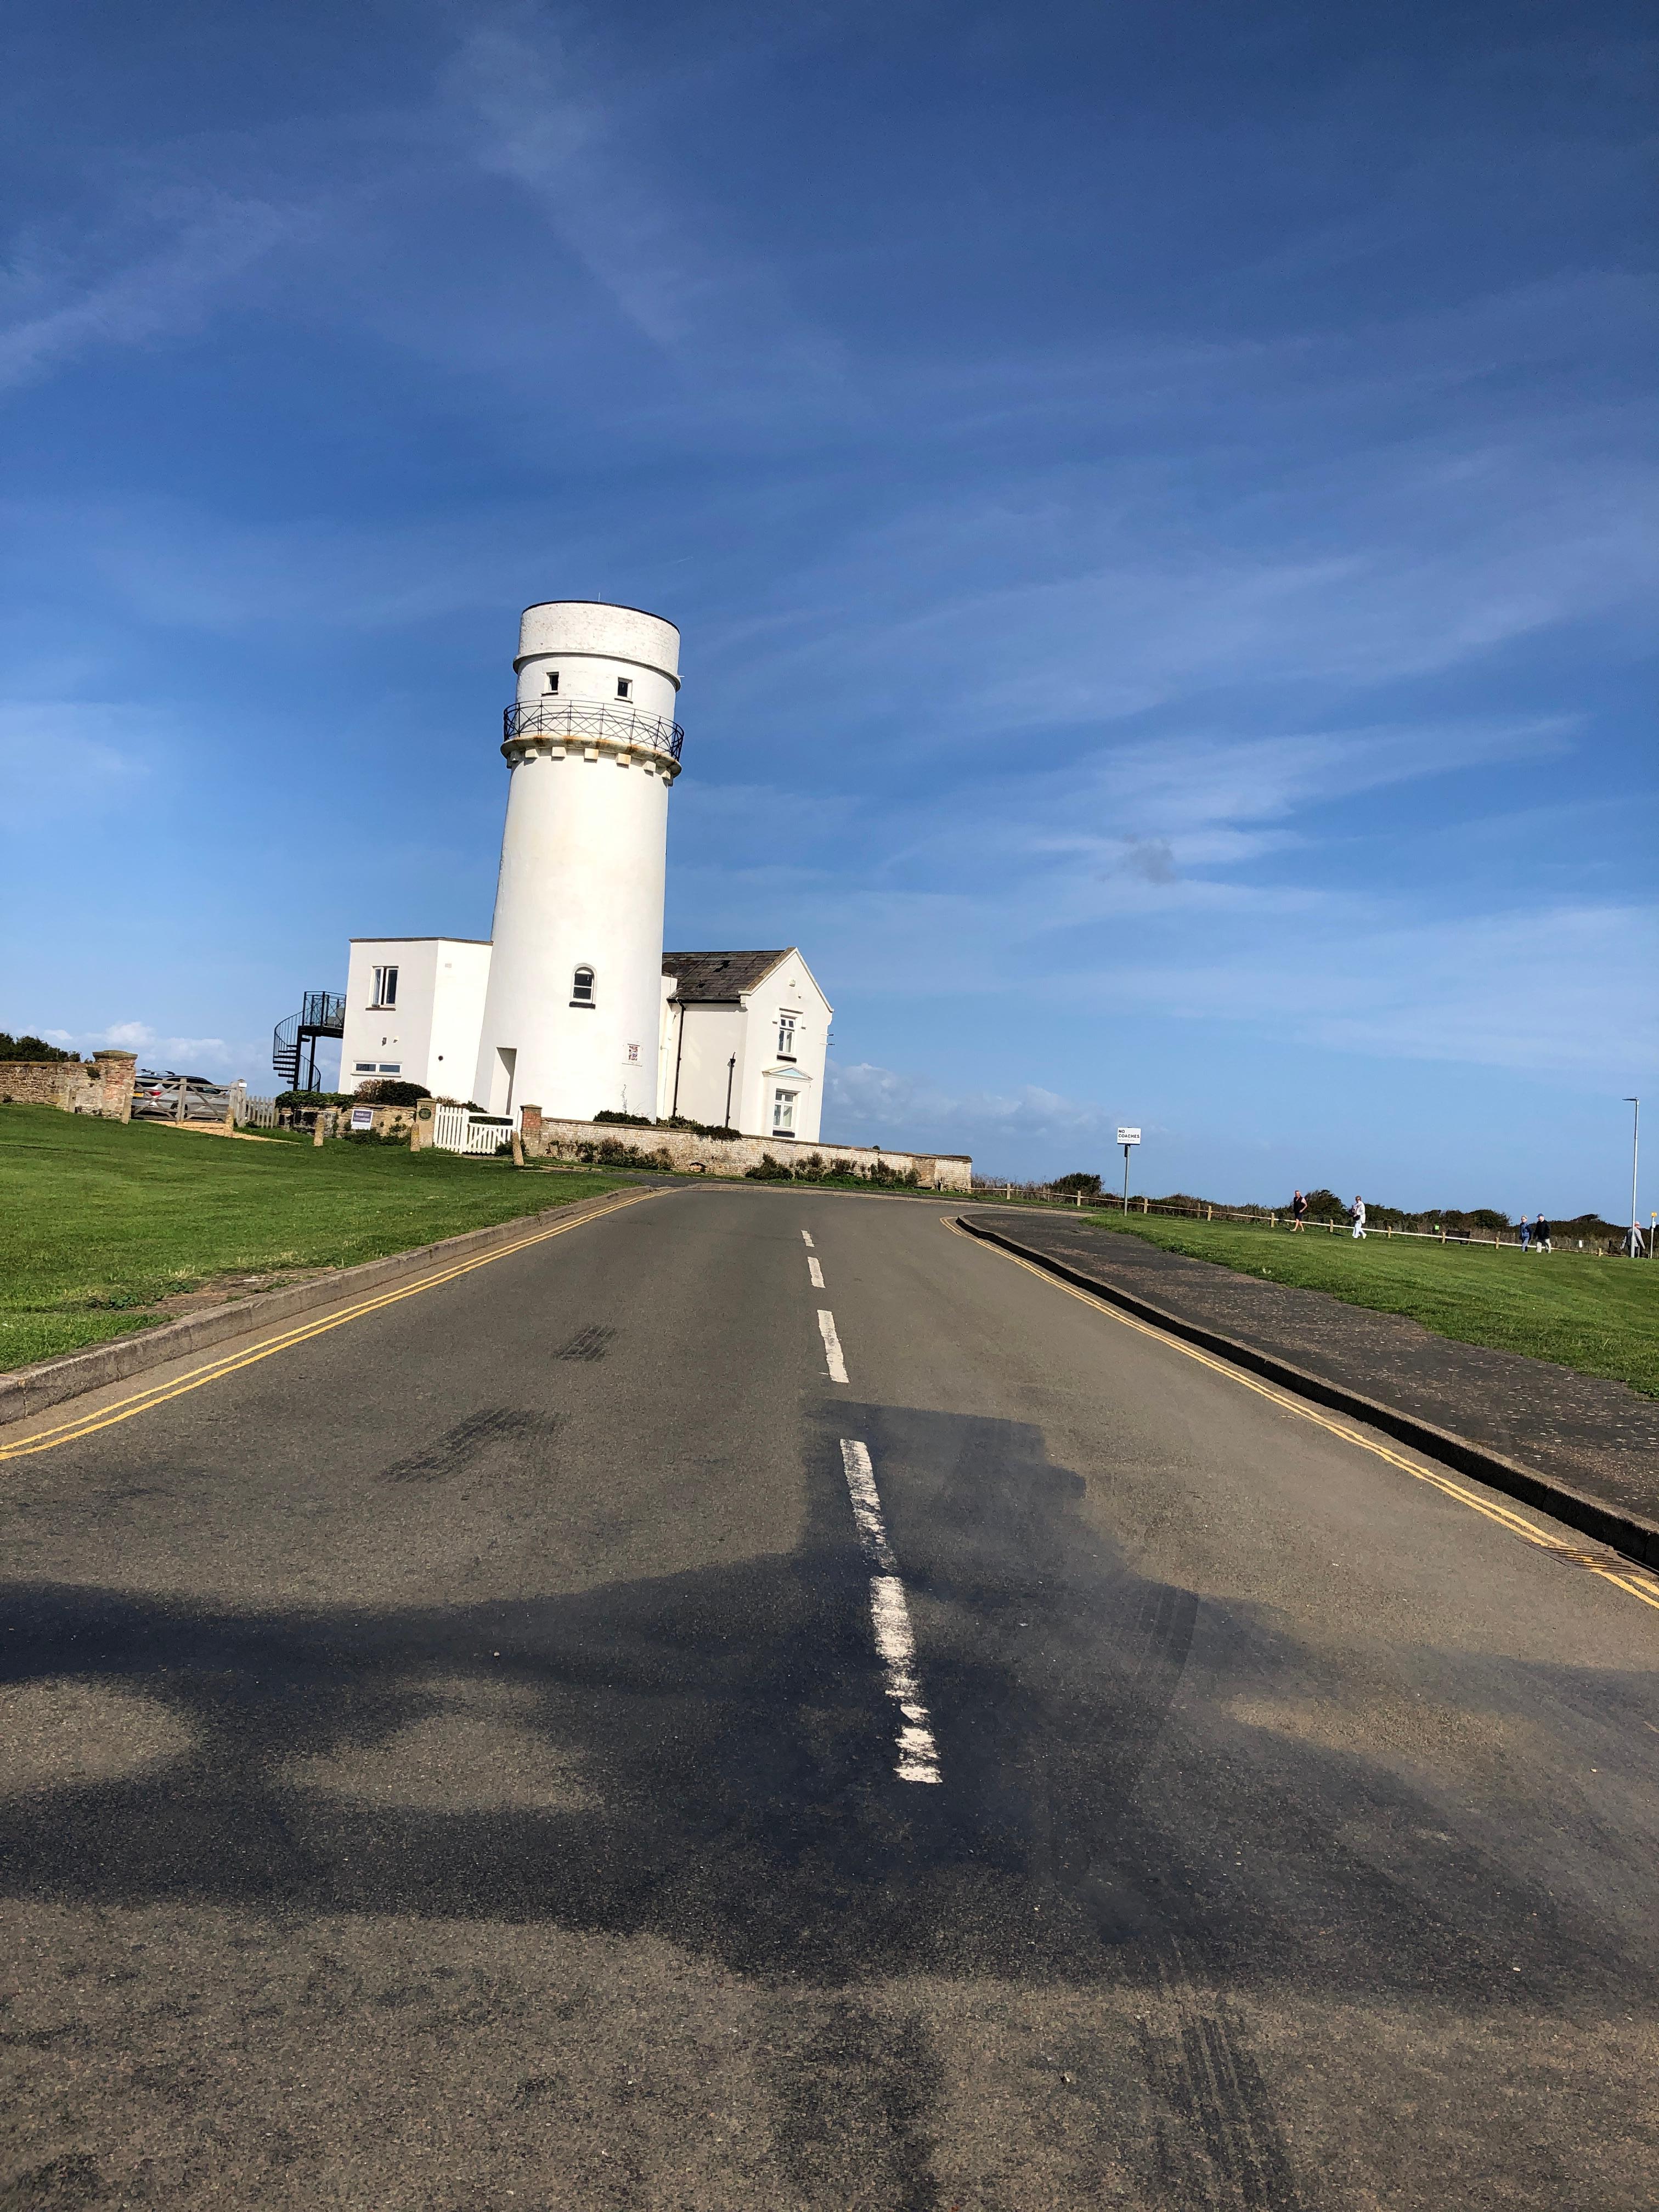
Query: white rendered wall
{"points": [[589, 646], [712, 1033], [431, 1036], [462, 984], [789, 988], [393, 1037], [583, 855]]}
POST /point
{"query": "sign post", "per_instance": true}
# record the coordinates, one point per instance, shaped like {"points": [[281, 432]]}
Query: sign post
{"points": [[1126, 1138]]}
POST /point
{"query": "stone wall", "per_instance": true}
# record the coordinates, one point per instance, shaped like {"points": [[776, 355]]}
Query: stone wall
{"points": [[102, 1086], [546, 1138]]}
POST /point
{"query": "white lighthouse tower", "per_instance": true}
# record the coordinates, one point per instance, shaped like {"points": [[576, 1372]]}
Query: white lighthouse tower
{"points": [[574, 1008]]}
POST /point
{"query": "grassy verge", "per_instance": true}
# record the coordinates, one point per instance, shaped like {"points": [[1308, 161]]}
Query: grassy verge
{"points": [[102, 1220], [1600, 1316]]}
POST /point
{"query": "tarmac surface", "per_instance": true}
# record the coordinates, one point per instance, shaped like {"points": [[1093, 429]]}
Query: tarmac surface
{"points": [[516, 1749], [1596, 1435]]}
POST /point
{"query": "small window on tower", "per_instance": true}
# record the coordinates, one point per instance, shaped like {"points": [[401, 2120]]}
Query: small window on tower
{"points": [[582, 987], [625, 687], [386, 987], [553, 680]]}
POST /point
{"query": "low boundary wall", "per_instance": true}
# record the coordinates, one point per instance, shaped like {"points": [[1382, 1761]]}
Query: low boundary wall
{"points": [[102, 1086], [546, 1138]]}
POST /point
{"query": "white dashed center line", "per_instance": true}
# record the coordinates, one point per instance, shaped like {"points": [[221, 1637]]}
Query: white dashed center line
{"points": [[833, 1359], [815, 1273], [890, 1616], [807, 1238]]}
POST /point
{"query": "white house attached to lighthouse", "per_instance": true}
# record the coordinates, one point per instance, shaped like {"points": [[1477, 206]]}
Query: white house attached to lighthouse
{"points": [[572, 1006]]}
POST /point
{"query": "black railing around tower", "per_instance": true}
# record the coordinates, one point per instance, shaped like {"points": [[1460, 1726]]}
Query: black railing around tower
{"points": [[589, 719]]}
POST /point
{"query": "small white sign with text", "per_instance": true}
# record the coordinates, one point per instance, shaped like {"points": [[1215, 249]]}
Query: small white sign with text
{"points": [[1128, 1136]]}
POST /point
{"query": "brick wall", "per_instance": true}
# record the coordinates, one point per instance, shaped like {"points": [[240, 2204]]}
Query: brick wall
{"points": [[103, 1086], [544, 1138]]}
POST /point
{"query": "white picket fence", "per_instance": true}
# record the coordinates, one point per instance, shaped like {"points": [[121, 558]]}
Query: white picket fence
{"points": [[457, 1129]]}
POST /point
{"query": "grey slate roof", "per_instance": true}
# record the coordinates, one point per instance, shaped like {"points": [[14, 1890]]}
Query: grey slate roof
{"points": [[705, 975]]}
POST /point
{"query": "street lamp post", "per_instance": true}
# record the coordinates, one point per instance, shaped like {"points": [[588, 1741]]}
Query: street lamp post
{"points": [[1635, 1105]]}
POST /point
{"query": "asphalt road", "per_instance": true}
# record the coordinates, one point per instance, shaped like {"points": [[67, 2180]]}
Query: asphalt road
{"points": [[509, 1751]]}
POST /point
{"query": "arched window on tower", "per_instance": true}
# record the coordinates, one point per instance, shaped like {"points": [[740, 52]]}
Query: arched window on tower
{"points": [[582, 987]]}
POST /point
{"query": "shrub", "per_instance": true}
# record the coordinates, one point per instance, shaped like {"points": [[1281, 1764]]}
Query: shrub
{"points": [[611, 1152], [769, 1170], [1325, 1206], [1087, 1186], [31, 1047], [889, 1178], [387, 1091]]}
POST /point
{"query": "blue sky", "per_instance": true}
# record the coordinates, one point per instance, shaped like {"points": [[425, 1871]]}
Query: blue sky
{"points": [[1158, 499]]}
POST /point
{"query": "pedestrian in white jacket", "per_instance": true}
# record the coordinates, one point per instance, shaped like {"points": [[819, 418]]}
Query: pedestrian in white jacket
{"points": [[1358, 1215]]}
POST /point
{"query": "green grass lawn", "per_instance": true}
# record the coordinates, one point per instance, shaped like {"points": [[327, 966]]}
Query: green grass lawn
{"points": [[1600, 1316], [100, 1220]]}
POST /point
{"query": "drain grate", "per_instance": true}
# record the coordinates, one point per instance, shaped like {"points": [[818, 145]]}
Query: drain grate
{"points": [[590, 1343]]}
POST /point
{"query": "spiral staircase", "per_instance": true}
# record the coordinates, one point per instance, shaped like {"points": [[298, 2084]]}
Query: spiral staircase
{"points": [[294, 1042]]}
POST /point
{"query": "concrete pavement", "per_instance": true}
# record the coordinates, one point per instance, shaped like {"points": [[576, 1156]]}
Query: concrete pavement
{"points": [[455, 1762]]}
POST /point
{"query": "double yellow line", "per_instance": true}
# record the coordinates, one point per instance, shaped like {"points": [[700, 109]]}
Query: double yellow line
{"points": [[142, 1401], [1633, 1581]]}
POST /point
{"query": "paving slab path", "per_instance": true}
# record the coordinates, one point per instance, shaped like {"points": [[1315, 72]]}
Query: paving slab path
{"points": [[1596, 1435]]}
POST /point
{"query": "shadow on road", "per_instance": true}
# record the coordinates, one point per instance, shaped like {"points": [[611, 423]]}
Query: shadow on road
{"points": [[708, 1756]]}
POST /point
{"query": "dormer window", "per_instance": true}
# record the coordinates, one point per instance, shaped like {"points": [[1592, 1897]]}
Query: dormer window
{"points": [[625, 687], [582, 987], [553, 680]]}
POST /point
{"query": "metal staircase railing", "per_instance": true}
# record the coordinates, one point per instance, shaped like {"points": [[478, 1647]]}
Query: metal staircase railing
{"points": [[322, 1014]]}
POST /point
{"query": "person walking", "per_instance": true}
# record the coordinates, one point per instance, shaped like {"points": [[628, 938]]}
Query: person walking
{"points": [[1526, 1234], [1298, 1213], [1358, 1217], [1541, 1234]]}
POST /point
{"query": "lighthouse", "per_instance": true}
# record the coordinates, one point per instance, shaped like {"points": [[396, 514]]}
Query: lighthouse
{"points": [[571, 1005], [574, 1007]]}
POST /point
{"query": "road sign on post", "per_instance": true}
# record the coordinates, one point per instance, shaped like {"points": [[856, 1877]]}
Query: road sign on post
{"points": [[1126, 1138]]}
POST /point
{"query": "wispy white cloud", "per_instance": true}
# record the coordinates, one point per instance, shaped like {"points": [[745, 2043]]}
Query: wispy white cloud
{"points": [[1564, 988], [57, 301], [188, 1055], [588, 138], [864, 1103], [66, 761]]}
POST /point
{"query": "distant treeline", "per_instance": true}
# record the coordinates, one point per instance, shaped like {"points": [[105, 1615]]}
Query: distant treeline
{"points": [[1326, 1205], [30, 1048]]}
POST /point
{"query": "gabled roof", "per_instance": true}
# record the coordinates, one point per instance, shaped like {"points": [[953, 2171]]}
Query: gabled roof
{"points": [[720, 975]]}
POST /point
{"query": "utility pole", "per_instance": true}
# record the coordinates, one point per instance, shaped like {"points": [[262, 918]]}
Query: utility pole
{"points": [[1635, 1105]]}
